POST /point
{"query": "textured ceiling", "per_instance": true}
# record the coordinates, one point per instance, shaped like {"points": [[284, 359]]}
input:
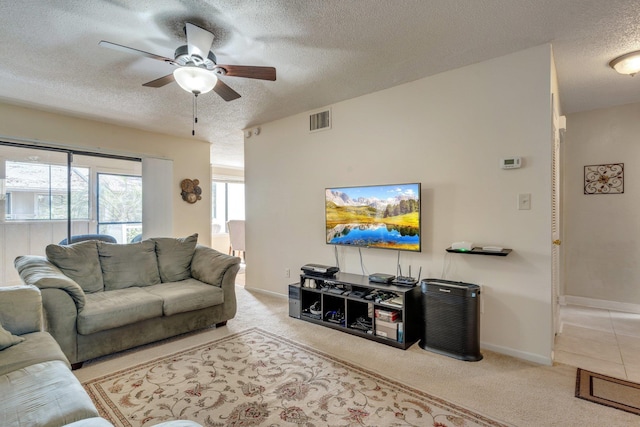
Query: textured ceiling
{"points": [[325, 51]]}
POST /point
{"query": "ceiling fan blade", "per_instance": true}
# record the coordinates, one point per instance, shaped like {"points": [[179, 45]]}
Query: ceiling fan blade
{"points": [[199, 40], [225, 91], [262, 73], [161, 81], [127, 49]]}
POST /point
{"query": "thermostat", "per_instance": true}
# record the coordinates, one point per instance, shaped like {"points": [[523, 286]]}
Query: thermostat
{"points": [[511, 163]]}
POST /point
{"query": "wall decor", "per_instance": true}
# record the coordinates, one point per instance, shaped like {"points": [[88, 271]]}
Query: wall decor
{"points": [[604, 179], [191, 191]]}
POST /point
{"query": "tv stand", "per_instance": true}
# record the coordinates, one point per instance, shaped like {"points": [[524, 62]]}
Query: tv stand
{"points": [[349, 303]]}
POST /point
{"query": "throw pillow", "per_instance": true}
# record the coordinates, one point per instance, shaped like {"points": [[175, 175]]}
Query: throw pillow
{"points": [[78, 262], [127, 265], [174, 257], [7, 339]]}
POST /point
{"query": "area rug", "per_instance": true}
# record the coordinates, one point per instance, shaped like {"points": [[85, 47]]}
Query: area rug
{"points": [[608, 391], [256, 378]]}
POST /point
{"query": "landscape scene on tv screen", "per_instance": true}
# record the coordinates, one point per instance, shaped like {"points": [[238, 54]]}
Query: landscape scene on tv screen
{"points": [[377, 216]]}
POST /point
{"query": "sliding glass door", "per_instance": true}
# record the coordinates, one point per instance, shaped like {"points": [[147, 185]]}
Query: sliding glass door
{"points": [[50, 194], [36, 187], [120, 206]]}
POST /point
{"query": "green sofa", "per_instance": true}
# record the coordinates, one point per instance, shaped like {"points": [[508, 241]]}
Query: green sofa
{"points": [[36, 384], [100, 298], [37, 387]]}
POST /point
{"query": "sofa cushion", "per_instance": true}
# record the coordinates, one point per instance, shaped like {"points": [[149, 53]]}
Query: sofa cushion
{"points": [[107, 310], [37, 271], [44, 394], [37, 347], [210, 266], [186, 295], [79, 262], [20, 309], [7, 339], [127, 265], [174, 257]]}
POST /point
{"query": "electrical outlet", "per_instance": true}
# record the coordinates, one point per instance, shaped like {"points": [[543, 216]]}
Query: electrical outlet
{"points": [[287, 272]]}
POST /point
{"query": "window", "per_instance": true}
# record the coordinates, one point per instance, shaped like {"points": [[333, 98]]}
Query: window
{"points": [[120, 206], [38, 191], [51, 193], [227, 200]]}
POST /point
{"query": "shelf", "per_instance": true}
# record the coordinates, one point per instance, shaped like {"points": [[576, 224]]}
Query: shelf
{"points": [[352, 306], [479, 251]]}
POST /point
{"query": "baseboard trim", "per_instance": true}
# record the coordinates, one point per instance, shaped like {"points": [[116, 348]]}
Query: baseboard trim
{"points": [[262, 291], [531, 357], [624, 307]]}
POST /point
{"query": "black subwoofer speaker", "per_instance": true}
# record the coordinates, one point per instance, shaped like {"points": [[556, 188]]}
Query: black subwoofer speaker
{"points": [[294, 301], [451, 313]]}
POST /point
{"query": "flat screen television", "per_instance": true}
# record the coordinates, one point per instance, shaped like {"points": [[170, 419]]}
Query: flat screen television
{"points": [[374, 216]]}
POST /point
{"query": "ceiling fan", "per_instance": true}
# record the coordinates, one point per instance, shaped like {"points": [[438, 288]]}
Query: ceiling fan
{"points": [[197, 68]]}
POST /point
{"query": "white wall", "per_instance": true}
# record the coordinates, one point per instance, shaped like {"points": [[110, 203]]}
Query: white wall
{"points": [[447, 132], [190, 160], [601, 238]]}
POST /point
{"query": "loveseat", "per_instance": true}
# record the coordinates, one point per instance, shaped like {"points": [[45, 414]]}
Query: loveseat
{"points": [[36, 384], [101, 297]]}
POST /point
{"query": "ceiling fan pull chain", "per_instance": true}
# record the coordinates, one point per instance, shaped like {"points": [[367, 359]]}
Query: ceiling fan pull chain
{"points": [[195, 113]]}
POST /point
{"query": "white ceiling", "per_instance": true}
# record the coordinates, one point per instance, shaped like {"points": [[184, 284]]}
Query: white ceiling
{"points": [[324, 51]]}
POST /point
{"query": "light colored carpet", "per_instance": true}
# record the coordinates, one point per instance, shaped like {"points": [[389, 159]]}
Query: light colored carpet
{"points": [[506, 389]]}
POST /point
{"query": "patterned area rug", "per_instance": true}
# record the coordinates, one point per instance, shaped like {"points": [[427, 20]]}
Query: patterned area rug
{"points": [[255, 378]]}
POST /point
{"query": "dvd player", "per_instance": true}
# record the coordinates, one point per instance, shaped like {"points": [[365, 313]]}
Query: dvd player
{"points": [[319, 270], [381, 278]]}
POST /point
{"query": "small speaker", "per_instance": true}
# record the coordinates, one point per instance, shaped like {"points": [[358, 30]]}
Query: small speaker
{"points": [[294, 301], [451, 319]]}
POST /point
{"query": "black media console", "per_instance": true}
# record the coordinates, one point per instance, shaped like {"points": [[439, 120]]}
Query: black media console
{"points": [[385, 313]]}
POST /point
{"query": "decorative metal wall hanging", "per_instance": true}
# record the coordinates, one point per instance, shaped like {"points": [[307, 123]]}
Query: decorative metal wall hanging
{"points": [[191, 191], [604, 179]]}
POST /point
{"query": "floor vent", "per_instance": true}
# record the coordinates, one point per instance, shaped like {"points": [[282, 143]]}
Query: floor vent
{"points": [[320, 121]]}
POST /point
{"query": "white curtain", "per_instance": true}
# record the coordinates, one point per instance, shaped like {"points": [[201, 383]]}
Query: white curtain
{"points": [[157, 197]]}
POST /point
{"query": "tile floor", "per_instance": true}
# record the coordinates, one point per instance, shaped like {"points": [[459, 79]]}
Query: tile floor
{"points": [[603, 341]]}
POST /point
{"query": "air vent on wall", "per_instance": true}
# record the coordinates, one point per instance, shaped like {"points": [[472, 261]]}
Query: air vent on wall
{"points": [[320, 121]]}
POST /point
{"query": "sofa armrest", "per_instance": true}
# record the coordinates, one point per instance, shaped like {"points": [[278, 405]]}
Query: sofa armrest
{"points": [[60, 318], [38, 271], [21, 309], [209, 266]]}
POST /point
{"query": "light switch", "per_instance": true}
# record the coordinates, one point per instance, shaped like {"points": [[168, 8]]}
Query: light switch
{"points": [[524, 201]]}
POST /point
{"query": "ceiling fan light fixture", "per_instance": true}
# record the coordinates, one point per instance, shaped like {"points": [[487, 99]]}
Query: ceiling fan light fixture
{"points": [[195, 79], [628, 63]]}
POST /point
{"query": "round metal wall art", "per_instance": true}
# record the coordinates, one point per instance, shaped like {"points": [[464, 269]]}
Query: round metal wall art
{"points": [[191, 191], [604, 179]]}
